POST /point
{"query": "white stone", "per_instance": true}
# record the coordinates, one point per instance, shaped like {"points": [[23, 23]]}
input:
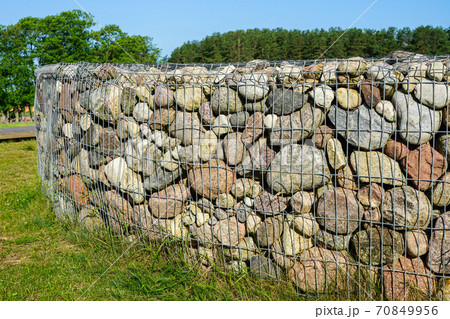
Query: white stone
{"points": [[221, 125], [386, 109], [436, 70], [250, 202], [434, 95], [85, 122], [116, 171], [142, 112], [323, 96], [270, 121], [67, 130]]}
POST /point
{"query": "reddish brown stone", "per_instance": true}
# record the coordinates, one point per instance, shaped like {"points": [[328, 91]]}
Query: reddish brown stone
{"points": [[253, 128], [211, 179], [75, 186], [424, 166], [371, 94], [322, 135], [169, 202], [109, 143], [106, 72], [408, 280], [65, 102], [269, 204], [395, 150], [229, 231], [371, 195], [161, 117], [163, 96], [313, 71], [206, 113], [338, 211]]}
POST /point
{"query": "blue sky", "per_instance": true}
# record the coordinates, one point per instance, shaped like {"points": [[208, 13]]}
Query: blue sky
{"points": [[171, 23]]}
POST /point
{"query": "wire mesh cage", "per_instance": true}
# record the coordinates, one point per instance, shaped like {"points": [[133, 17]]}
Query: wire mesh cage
{"points": [[332, 174]]}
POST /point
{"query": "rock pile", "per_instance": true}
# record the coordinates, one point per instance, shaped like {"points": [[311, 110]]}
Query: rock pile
{"points": [[306, 170]]}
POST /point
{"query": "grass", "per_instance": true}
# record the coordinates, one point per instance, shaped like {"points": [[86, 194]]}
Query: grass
{"points": [[42, 258], [16, 124]]}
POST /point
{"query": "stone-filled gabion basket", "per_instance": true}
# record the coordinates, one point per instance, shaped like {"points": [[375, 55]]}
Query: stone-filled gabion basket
{"points": [[331, 173]]}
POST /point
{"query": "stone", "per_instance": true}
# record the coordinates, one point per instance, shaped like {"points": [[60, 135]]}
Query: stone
{"points": [[348, 99], [252, 223], [221, 125], [233, 148], [237, 267], [297, 126], [76, 188], [108, 142], [143, 93], [67, 130], [406, 207], [352, 66], [416, 243], [258, 158], [432, 94], [127, 128], [370, 93], [189, 97], [269, 232], [253, 128], [371, 195], [128, 100], [211, 179], [85, 122], [96, 159], [336, 155], [118, 210], [416, 122], [208, 146], [436, 71], [440, 193], [243, 251], [168, 163], [305, 225], [319, 269], [363, 128], [117, 172], [238, 120], [297, 167], [246, 187], [260, 106], [270, 121], [250, 202], [332, 241], [169, 202], [386, 109], [301, 202], [268, 204], [321, 136], [378, 246], [104, 103], [264, 267], [285, 101], [395, 150], [242, 212], [161, 118], [226, 101], [408, 280], [323, 96], [163, 96], [229, 232], [187, 128], [424, 166], [225, 200], [206, 114], [253, 86], [375, 167], [338, 211], [142, 156], [329, 72], [161, 178], [142, 112], [292, 243], [438, 260], [372, 216]]}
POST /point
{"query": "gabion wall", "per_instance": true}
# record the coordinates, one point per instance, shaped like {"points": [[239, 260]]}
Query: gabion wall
{"points": [[332, 173]]}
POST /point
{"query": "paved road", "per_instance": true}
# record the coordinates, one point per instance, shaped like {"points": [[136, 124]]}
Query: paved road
{"points": [[17, 132]]}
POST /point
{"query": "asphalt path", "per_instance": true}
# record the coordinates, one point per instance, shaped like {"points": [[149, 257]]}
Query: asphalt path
{"points": [[17, 132]]}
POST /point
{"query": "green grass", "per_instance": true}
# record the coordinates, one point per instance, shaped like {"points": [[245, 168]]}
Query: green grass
{"points": [[16, 124], [42, 258]]}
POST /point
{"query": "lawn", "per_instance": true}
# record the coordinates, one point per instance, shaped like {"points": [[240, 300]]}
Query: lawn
{"points": [[16, 124], [42, 258]]}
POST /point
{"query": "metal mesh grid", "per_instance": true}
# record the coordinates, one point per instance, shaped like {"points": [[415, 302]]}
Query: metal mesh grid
{"points": [[330, 173]]}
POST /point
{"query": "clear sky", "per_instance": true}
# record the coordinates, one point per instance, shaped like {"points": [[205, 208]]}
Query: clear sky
{"points": [[173, 22]]}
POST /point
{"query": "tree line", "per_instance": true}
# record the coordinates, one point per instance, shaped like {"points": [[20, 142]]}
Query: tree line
{"points": [[281, 44], [67, 37]]}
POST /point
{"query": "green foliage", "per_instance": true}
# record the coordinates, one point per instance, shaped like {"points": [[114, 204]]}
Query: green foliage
{"points": [[66, 37], [280, 44]]}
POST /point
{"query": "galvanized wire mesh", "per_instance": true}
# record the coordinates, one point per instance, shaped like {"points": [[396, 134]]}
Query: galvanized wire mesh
{"points": [[330, 173]]}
